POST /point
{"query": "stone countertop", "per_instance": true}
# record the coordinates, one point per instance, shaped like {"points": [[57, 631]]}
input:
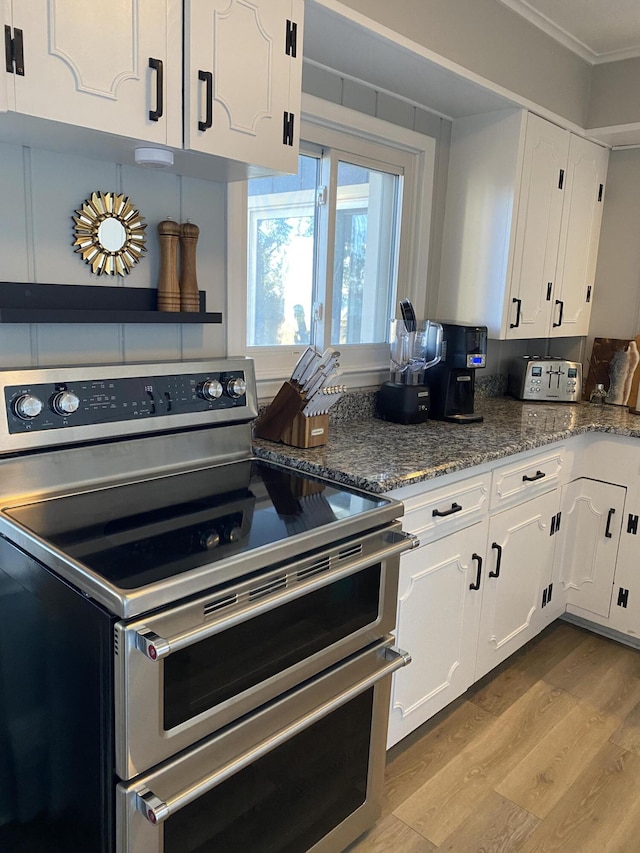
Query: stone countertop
{"points": [[379, 456]]}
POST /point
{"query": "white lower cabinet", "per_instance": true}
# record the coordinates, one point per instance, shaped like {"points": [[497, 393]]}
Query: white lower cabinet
{"points": [[624, 615], [517, 576], [587, 548], [516, 546], [439, 600]]}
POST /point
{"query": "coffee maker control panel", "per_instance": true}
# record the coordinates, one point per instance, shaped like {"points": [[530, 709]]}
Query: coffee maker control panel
{"points": [[477, 360]]}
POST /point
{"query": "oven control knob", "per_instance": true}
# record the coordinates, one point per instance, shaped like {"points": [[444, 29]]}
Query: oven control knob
{"points": [[210, 389], [27, 407], [236, 387], [210, 540], [65, 403], [233, 533]]}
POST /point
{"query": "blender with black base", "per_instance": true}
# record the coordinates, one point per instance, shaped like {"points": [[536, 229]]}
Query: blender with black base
{"points": [[415, 347], [452, 381]]}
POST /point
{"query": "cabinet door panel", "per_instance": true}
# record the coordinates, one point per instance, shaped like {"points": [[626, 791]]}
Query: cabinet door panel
{"points": [[512, 601], [579, 235], [538, 228], [625, 599], [6, 80], [438, 617], [587, 545], [238, 80], [95, 57]]}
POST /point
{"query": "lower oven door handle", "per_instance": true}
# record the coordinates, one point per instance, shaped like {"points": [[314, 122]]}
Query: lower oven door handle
{"points": [[156, 811], [155, 647]]}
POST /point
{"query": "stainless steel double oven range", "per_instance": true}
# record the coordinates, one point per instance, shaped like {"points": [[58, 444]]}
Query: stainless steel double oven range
{"points": [[195, 647]]}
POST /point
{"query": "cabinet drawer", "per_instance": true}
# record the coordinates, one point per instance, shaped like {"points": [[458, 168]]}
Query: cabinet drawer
{"points": [[441, 511], [523, 478]]}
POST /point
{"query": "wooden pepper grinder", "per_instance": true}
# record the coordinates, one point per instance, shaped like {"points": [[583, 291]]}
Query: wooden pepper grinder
{"points": [[189, 296], [168, 284]]}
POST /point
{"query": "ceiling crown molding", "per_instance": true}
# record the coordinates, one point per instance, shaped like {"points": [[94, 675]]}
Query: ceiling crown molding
{"points": [[556, 32]]}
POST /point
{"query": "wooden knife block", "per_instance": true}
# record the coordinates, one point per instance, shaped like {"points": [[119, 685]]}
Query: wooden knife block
{"points": [[283, 421], [307, 432]]}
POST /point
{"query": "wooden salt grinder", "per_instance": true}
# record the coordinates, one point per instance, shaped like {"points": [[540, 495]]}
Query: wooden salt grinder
{"points": [[189, 296], [168, 284]]}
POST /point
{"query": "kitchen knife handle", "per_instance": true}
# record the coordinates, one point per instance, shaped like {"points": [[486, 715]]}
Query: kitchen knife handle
{"points": [[443, 513], [158, 66], [608, 534], [497, 548], [476, 585], [518, 310], [207, 79]]}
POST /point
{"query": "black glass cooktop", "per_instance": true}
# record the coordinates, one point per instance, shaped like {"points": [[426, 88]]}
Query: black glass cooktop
{"points": [[138, 534]]}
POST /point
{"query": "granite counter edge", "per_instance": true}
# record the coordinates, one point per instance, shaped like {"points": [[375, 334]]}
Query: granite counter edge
{"points": [[387, 483]]}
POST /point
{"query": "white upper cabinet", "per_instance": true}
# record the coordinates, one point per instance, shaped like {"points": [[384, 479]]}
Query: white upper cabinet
{"points": [[522, 222], [5, 20], [114, 67], [579, 237], [243, 72], [537, 229]]}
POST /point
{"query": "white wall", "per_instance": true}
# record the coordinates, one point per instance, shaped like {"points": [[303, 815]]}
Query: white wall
{"points": [[40, 192], [614, 93], [488, 38]]}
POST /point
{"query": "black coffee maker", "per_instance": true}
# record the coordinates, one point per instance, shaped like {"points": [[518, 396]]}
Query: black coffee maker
{"points": [[452, 380]]}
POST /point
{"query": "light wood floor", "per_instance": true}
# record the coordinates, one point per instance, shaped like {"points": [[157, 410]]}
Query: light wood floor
{"points": [[541, 755]]}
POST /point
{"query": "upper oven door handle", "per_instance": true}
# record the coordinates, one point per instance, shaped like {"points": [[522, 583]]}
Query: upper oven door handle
{"points": [[156, 647], [156, 810]]}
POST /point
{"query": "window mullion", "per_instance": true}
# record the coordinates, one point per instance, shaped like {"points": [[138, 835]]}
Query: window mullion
{"points": [[326, 245]]}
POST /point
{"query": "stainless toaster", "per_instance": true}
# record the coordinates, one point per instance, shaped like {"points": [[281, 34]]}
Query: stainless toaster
{"points": [[534, 377]]}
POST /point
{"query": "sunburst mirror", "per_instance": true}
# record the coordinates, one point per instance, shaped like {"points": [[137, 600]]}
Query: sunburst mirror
{"points": [[109, 233]]}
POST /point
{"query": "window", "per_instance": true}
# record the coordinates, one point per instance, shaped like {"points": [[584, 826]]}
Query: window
{"points": [[287, 245], [327, 252]]}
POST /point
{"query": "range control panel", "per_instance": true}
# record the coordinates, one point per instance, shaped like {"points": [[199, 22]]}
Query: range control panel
{"points": [[38, 406]]}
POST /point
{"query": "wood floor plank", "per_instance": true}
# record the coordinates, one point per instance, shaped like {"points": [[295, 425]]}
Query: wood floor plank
{"points": [[437, 808], [412, 766], [543, 777], [603, 672], [589, 815], [507, 683], [497, 826], [391, 834], [627, 735]]}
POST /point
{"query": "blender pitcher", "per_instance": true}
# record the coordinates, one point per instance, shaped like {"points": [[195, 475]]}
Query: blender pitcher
{"points": [[413, 352]]}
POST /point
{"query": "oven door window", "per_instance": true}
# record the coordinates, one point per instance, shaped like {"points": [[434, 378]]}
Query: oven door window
{"points": [[289, 799], [219, 668]]}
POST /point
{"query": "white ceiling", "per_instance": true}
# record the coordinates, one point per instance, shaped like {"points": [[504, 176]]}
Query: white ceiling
{"points": [[597, 30]]}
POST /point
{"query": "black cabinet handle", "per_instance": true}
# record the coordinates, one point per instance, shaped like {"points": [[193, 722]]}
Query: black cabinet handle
{"points": [[497, 548], [607, 533], [443, 513], [207, 79], [518, 309], [561, 304], [537, 476], [476, 585], [14, 51], [158, 66]]}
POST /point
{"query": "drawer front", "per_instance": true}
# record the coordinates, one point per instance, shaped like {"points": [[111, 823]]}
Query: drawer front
{"points": [[524, 478], [446, 509]]}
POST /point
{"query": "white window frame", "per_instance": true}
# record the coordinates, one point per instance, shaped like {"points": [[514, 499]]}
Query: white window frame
{"points": [[326, 124]]}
